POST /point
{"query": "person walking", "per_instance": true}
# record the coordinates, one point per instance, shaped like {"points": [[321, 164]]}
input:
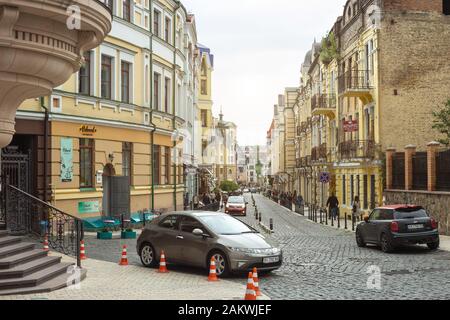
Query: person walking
{"points": [[333, 205], [206, 200], [356, 208]]}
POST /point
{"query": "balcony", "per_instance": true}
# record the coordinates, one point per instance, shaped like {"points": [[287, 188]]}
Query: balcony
{"points": [[357, 83], [41, 46], [357, 149], [319, 154], [324, 104]]}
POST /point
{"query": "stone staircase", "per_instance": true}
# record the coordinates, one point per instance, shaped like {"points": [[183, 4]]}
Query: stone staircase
{"points": [[25, 269]]}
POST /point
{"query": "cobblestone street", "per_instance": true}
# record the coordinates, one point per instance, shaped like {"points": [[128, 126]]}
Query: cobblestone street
{"points": [[321, 262]]}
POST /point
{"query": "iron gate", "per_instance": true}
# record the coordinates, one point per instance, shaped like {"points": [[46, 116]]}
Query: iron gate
{"points": [[15, 171], [420, 171], [443, 171]]}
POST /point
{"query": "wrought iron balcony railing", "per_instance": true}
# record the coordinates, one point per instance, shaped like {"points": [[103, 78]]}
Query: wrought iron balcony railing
{"points": [[357, 149], [355, 80], [323, 101], [319, 153]]}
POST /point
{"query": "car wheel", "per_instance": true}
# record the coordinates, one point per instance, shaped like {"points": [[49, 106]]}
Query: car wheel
{"points": [[222, 265], [433, 245], [147, 255], [386, 244], [360, 240]]}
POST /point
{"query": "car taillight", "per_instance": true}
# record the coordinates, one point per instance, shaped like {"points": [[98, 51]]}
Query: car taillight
{"points": [[434, 224], [394, 226]]}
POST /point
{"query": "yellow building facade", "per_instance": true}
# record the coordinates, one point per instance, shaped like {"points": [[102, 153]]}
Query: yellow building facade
{"points": [[118, 120]]}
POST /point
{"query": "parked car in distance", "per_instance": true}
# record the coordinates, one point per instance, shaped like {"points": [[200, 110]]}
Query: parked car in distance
{"points": [[396, 225], [236, 205], [193, 237], [246, 190]]}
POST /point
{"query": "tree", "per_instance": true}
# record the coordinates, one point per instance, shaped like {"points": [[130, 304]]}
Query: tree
{"points": [[228, 186], [441, 123], [329, 50]]}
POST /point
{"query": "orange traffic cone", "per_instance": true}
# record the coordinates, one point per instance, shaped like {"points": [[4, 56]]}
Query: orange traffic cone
{"points": [[250, 293], [162, 263], [256, 282], [82, 251], [212, 271], [46, 243], [124, 260]]}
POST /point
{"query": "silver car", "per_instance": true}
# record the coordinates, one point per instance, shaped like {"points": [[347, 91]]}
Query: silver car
{"points": [[193, 237]]}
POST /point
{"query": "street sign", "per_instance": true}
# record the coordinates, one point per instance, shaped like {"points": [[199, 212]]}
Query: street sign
{"points": [[325, 177], [351, 126]]}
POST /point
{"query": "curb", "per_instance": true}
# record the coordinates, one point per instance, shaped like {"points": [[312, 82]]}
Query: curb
{"points": [[265, 228]]}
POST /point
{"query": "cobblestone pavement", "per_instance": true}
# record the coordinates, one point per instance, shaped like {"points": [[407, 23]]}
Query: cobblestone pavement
{"points": [[321, 262]]}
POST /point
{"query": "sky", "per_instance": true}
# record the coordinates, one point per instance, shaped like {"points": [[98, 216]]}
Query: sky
{"points": [[259, 46]]}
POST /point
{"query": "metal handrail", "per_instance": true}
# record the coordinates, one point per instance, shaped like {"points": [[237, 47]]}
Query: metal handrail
{"points": [[28, 215]]}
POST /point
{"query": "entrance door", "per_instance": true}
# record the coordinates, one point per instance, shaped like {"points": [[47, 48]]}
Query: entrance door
{"points": [[120, 196]]}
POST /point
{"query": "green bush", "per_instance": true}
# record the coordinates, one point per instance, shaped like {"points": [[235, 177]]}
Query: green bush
{"points": [[228, 186]]}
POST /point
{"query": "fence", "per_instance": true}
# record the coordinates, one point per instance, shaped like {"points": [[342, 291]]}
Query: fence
{"points": [[398, 171]]}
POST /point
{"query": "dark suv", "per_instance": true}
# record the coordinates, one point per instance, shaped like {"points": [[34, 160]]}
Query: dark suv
{"points": [[392, 226]]}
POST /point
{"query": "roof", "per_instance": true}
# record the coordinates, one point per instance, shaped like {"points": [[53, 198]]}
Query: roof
{"points": [[399, 206], [196, 213]]}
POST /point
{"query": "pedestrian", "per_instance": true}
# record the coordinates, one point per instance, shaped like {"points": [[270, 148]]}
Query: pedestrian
{"points": [[186, 200], [356, 208], [206, 200], [333, 205], [196, 201]]}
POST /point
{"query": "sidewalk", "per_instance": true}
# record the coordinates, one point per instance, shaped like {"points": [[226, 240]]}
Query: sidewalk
{"points": [[109, 281]]}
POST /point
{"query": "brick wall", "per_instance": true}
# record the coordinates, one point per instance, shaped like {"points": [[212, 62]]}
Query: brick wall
{"points": [[415, 5], [414, 74]]}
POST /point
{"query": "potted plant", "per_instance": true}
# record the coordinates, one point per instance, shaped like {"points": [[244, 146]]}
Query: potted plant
{"points": [[105, 234], [128, 234]]}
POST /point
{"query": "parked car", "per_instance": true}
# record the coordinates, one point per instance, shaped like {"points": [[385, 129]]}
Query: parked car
{"points": [[246, 190], [193, 237], [236, 205], [396, 225]]}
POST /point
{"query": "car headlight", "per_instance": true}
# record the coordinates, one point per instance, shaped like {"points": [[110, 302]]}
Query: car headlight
{"points": [[256, 251]]}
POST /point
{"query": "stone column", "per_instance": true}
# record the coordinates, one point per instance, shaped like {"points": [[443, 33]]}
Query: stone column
{"points": [[410, 150], [389, 156], [432, 149]]}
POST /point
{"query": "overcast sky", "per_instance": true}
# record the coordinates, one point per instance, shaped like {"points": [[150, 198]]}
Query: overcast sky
{"points": [[258, 46]]}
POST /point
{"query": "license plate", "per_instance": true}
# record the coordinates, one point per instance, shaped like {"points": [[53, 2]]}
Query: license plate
{"points": [[271, 260], [415, 226]]}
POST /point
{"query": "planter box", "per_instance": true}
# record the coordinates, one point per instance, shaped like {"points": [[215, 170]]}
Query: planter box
{"points": [[128, 235], [104, 235]]}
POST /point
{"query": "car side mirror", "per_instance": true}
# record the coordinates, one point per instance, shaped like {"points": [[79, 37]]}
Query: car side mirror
{"points": [[197, 232], [366, 218]]}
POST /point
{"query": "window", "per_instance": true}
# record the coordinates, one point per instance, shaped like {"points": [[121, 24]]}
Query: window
{"points": [[188, 225], [167, 164], [157, 164], [386, 214], [167, 30], [365, 190], [125, 82], [446, 7], [204, 69], [106, 77], [204, 146], [171, 222], [344, 191], [167, 95], [375, 215], [110, 4], [126, 159], [352, 187], [84, 84], [156, 81], [156, 17], [204, 115], [204, 89], [126, 12], [86, 163]]}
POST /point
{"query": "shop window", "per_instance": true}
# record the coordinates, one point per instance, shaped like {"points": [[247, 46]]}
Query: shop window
{"points": [[157, 164], [126, 159], [84, 75], [86, 163], [167, 164]]}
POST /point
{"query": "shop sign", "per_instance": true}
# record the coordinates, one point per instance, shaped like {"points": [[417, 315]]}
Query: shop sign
{"points": [[66, 160], [89, 207], [86, 130], [351, 126]]}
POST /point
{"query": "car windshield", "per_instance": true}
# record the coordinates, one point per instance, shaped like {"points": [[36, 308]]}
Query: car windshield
{"points": [[236, 200], [410, 213], [225, 225]]}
